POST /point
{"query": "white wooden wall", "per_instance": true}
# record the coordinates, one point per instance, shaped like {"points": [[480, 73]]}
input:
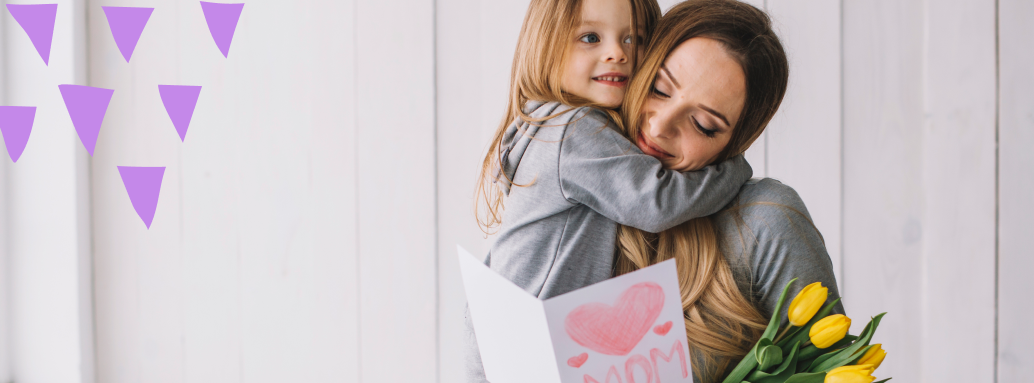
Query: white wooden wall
{"points": [[306, 227]]}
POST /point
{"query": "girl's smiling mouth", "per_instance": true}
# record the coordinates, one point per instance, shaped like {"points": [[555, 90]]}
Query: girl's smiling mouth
{"points": [[612, 79], [651, 149]]}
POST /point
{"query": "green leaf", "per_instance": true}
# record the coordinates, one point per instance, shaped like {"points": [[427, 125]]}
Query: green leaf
{"points": [[767, 354], [848, 354], [812, 377], [802, 335], [884, 380], [747, 363], [773, 324], [810, 353], [780, 374], [822, 358]]}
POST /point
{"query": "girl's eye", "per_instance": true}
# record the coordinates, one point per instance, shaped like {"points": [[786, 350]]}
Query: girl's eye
{"points": [[704, 130], [637, 39], [590, 38], [655, 91], [628, 39]]}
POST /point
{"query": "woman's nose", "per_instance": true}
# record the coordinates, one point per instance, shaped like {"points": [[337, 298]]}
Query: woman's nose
{"points": [[661, 125]]}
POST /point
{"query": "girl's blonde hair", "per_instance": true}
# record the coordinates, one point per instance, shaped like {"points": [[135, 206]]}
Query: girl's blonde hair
{"points": [[721, 324], [538, 63]]}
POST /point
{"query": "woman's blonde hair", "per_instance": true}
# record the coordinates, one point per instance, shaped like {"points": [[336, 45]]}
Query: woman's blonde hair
{"points": [[538, 63], [721, 324]]}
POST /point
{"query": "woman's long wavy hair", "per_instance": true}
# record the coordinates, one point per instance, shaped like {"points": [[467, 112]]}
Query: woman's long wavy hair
{"points": [[538, 62], [722, 325]]}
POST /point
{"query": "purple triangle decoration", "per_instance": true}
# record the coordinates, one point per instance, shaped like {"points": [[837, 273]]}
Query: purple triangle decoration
{"points": [[38, 22], [222, 21], [127, 23], [143, 185], [86, 106], [15, 125], [179, 101]]}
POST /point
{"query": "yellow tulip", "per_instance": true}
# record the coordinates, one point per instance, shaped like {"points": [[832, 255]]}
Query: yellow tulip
{"points": [[851, 374], [807, 303], [874, 356], [829, 330]]}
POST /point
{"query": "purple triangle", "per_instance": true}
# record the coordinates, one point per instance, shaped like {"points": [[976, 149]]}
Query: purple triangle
{"points": [[38, 22], [86, 106], [127, 23], [222, 21], [179, 101], [16, 124], [143, 185]]}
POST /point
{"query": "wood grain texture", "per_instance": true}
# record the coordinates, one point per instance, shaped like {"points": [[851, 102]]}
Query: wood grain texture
{"points": [[475, 40], [395, 122], [46, 208], [958, 238], [248, 272], [1015, 184], [804, 138], [883, 116]]}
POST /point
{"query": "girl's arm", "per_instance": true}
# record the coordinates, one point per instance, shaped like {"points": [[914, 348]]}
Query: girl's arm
{"points": [[603, 170]]}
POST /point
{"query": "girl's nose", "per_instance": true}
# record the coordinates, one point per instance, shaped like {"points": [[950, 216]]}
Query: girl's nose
{"points": [[615, 53]]}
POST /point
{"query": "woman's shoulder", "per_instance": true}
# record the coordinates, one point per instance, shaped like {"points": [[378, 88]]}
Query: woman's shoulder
{"points": [[768, 191], [769, 239]]}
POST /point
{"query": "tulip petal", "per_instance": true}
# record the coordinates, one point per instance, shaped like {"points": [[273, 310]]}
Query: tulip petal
{"points": [[801, 333], [848, 354]]}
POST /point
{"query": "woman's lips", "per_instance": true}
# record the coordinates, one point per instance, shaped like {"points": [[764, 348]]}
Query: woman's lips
{"points": [[612, 79], [651, 149]]}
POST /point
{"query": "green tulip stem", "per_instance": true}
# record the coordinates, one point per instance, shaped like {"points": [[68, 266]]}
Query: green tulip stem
{"points": [[782, 334]]}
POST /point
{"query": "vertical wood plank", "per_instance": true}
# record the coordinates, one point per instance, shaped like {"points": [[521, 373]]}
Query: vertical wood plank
{"points": [[475, 40], [804, 137], [5, 275], [883, 116], [395, 120], [958, 239], [248, 270], [1015, 183], [46, 208]]}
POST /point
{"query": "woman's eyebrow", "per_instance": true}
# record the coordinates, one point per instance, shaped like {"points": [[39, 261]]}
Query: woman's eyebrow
{"points": [[715, 112], [670, 77]]}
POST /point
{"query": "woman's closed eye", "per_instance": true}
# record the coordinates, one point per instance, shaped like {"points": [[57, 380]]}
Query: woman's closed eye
{"points": [[702, 128], [590, 38], [657, 92]]}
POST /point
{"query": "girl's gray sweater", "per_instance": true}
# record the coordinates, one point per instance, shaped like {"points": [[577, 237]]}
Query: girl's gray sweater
{"points": [[581, 179]]}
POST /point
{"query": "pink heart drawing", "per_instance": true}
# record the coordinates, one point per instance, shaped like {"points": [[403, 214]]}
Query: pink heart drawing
{"points": [[578, 361], [616, 330], [662, 329]]}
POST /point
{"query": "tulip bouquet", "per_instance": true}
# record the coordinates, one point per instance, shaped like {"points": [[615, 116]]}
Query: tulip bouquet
{"points": [[813, 348]]}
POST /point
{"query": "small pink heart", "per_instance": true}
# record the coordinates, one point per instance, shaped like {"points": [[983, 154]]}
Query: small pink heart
{"points": [[662, 329], [578, 361]]}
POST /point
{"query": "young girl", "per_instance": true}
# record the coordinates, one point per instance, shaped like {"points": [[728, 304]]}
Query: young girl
{"points": [[569, 175]]}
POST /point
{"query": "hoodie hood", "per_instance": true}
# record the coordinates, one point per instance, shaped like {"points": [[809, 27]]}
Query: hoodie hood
{"points": [[515, 140]]}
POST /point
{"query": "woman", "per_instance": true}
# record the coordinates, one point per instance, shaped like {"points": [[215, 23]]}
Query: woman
{"points": [[713, 76]]}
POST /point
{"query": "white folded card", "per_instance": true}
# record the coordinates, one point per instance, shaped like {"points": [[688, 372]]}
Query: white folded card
{"points": [[628, 329]]}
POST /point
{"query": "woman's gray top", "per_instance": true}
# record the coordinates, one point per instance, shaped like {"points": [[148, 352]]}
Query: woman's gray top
{"points": [[767, 237]]}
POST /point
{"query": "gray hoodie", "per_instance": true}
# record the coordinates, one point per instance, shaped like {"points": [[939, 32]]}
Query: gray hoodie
{"points": [[582, 178]]}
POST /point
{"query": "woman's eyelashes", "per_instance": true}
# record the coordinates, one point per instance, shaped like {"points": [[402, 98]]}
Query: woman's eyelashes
{"points": [[657, 92], [702, 128]]}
